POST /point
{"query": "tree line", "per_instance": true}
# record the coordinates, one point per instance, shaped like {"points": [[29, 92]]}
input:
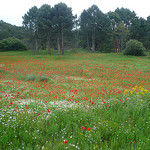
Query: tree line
{"points": [[56, 27]]}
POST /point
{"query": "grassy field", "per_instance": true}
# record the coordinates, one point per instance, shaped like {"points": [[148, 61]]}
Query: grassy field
{"points": [[80, 101]]}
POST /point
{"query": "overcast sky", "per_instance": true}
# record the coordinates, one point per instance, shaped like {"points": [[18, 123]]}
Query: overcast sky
{"points": [[11, 11]]}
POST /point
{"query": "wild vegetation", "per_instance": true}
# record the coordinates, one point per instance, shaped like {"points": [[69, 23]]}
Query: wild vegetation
{"points": [[76, 101], [93, 97], [12, 44], [134, 47]]}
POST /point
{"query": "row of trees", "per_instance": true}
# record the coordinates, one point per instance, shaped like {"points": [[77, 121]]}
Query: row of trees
{"points": [[112, 30], [8, 30], [48, 25], [56, 27]]}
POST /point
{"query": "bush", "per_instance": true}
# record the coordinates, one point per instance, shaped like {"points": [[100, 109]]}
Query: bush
{"points": [[30, 77], [2, 70], [12, 44], [43, 78], [134, 47]]}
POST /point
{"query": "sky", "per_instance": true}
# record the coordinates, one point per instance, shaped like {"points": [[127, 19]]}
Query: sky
{"points": [[11, 11]]}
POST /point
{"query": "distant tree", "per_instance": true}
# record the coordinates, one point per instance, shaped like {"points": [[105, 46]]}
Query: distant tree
{"points": [[114, 22], [85, 28], [139, 30], [121, 22], [75, 32], [30, 22], [95, 24], [45, 23], [62, 23], [127, 16], [147, 38], [121, 35], [8, 30]]}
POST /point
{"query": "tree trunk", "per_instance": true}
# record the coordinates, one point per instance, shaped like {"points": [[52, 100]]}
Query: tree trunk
{"points": [[62, 41], [93, 40], [36, 42], [44, 46], [58, 45], [88, 44], [36, 46], [120, 45], [117, 44], [48, 42], [114, 44]]}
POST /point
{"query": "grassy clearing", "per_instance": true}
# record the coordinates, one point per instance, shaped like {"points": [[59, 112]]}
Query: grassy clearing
{"points": [[77, 101]]}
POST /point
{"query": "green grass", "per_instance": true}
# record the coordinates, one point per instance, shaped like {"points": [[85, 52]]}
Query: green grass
{"points": [[108, 94]]}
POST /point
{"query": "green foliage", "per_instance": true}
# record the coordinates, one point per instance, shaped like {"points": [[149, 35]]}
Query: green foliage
{"points": [[57, 28], [134, 47], [62, 23], [43, 78], [30, 77], [2, 70], [12, 44], [8, 30], [126, 15], [94, 28]]}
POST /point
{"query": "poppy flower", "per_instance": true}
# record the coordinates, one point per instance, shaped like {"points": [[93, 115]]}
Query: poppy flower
{"points": [[88, 128], [11, 103], [103, 101], [83, 127], [66, 141]]}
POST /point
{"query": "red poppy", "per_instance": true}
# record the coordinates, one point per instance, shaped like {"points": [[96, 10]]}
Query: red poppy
{"points": [[66, 141], [11, 103], [83, 127], [88, 128], [103, 101], [39, 114]]}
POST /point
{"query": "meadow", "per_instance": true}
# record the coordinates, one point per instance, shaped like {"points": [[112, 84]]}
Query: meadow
{"points": [[80, 101]]}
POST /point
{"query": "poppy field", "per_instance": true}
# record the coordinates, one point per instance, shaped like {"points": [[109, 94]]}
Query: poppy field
{"points": [[80, 100]]}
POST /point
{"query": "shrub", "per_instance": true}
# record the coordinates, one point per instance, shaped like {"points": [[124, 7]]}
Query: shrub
{"points": [[2, 70], [12, 44], [31, 77], [43, 78], [134, 47]]}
